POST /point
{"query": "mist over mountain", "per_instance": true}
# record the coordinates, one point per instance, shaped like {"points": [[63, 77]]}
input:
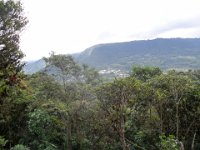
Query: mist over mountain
{"points": [[174, 53]]}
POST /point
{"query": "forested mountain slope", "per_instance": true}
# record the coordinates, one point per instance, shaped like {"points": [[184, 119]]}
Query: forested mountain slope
{"points": [[175, 53], [34, 66], [165, 53]]}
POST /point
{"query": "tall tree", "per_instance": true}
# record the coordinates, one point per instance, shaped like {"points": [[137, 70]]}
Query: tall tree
{"points": [[12, 22], [76, 82], [117, 100]]}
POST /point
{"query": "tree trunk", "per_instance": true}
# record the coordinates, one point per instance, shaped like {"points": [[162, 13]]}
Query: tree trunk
{"points": [[123, 140], [177, 122], [150, 111], [68, 141], [193, 140], [69, 138], [161, 120], [122, 135], [182, 146], [9, 132]]}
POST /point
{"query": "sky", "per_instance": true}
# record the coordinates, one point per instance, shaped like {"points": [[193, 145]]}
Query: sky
{"points": [[71, 26]]}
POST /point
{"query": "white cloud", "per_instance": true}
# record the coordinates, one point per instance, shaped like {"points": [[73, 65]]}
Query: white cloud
{"points": [[68, 26]]}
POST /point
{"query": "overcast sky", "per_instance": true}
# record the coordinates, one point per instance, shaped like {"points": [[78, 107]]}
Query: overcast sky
{"points": [[70, 26]]}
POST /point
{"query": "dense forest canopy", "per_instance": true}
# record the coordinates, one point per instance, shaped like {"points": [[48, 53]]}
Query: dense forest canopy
{"points": [[69, 106]]}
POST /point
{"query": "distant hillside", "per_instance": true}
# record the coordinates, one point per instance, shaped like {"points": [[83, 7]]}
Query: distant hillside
{"points": [[165, 53], [34, 66], [175, 53]]}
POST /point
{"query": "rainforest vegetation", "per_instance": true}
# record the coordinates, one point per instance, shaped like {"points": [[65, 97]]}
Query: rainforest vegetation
{"points": [[69, 106]]}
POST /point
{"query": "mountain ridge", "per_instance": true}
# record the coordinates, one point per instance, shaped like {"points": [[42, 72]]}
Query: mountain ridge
{"points": [[106, 54], [171, 53]]}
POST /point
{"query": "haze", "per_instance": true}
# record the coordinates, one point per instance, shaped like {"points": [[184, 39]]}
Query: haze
{"points": [[70, 26]]}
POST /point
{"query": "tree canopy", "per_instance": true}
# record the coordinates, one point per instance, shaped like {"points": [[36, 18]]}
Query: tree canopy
{"points": [[70, 106]]}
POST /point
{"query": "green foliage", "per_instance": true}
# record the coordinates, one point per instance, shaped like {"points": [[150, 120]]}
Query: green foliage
{"points": [[117, 99], [40, 127], [145, 73], [169, 143], [67, 106], [65, 66], [13, 96], [19, 147], [12, 23], [2, 142], [125, 113], [39, 121]]}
